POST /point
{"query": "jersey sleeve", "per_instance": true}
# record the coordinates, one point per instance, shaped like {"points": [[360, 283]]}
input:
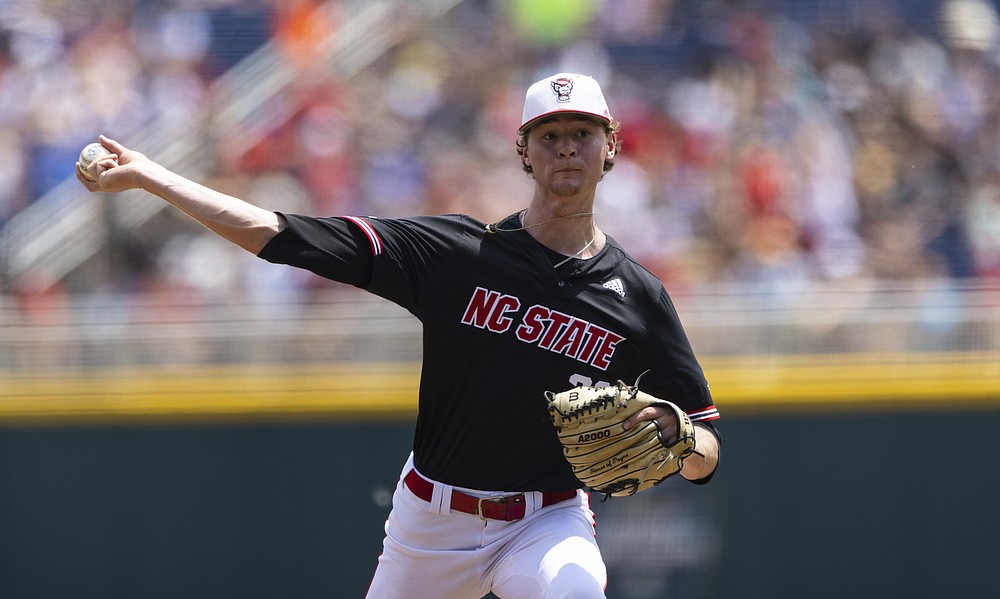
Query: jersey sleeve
{"points": [[328, 247], [386, 257]]}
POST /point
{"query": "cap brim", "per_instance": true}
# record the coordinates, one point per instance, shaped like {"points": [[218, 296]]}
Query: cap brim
{"points": [[597, 117]]}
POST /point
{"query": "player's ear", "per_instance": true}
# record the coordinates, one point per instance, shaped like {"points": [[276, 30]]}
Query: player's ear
{"points": [[612, 144]]}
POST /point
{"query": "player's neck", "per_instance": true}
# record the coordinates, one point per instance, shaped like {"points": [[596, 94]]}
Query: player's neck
{"points": [[565, 229]]}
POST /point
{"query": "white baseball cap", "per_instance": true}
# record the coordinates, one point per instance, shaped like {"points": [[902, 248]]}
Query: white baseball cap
{"points": [[564, 92]]}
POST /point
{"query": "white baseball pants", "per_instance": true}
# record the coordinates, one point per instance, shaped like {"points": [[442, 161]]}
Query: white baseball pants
{"points": [[433, 552]]}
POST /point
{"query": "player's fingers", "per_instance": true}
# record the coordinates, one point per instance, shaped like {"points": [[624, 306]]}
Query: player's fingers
{"points": [[111, 144], [91, 176], [103, 165], [668, 425], [90, 185], [121, 154], [650, 413]]}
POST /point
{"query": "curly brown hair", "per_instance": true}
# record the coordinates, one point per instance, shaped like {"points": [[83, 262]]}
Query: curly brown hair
{"points": [[609, 162]]}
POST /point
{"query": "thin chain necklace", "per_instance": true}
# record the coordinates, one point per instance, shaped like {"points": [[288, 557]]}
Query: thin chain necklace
{"points": [[582, 250], [493, 228]]}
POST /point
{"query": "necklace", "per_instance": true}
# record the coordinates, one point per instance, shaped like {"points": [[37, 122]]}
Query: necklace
{"points": [[582, 250], [493, 228]]}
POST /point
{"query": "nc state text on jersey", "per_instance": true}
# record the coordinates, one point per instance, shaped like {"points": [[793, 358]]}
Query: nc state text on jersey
{"points": [[542, 326]]}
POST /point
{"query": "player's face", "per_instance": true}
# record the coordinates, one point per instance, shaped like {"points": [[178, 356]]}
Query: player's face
{"points": [[567, 153]]}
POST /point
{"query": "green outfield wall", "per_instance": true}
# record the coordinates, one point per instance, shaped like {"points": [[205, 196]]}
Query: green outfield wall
{"points": [[893, 502]]}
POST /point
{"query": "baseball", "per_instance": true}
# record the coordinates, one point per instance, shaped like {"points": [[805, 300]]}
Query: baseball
{"points": [[92, 152]]}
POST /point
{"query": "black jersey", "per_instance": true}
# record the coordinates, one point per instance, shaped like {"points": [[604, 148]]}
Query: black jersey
{"points": [[502, 325]]}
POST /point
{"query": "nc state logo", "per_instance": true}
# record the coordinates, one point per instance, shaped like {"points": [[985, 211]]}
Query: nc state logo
{"points": [[562, 87]]}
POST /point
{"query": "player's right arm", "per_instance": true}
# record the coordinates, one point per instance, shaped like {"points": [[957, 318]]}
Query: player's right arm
{"points": [[236, 220]]}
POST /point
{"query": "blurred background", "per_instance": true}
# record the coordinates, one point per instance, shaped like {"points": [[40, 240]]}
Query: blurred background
{"points": [[817, 183]]}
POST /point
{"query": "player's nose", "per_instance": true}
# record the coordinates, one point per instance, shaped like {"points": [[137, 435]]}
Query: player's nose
{"points": [[567, 148]]}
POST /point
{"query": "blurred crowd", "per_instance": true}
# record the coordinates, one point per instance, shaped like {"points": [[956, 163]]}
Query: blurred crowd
{"points": [[770, 143]]}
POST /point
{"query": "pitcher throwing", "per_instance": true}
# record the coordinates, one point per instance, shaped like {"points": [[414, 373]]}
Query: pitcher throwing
{"points": [[540, 301]]}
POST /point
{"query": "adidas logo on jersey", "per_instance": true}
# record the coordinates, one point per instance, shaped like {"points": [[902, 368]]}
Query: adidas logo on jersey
{"points": [[616, 286]]}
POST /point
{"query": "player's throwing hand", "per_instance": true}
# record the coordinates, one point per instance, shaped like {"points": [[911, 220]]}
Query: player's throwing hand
{"points": [[113, 172]]}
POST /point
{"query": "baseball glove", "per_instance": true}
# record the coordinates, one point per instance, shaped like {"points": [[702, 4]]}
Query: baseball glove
{"points": [[606, 457]]}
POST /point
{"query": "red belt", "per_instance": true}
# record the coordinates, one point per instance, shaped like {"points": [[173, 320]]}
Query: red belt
{"points": [[500, 507]]}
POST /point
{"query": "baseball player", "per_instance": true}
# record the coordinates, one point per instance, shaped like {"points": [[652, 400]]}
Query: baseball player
{"points": [[542, 300]]}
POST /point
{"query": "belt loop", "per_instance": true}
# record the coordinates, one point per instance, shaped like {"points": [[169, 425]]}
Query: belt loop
{"points": [[532, 502], [441, 499]]}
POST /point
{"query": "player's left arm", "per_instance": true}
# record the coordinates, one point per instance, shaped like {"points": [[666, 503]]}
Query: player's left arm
{"points": [[682, 382], [703, 461]]}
